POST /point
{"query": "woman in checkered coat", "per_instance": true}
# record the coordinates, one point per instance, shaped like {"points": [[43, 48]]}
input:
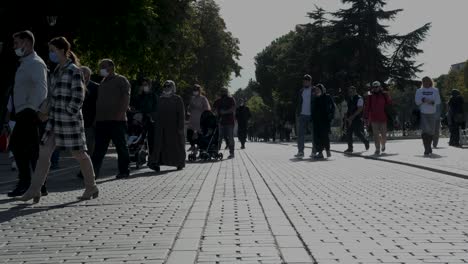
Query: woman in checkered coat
{"points": [[65, 127]]}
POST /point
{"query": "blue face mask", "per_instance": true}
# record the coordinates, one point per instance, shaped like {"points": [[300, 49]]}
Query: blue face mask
{"points": [[53, 57]]}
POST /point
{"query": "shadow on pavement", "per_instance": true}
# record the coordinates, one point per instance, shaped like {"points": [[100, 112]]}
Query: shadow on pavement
{"points": [[433, 156], [24, 209]]}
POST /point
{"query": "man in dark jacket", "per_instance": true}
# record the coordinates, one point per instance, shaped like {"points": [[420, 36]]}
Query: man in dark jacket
{"points": [[455, 117], [89, 108], [242, 115], [353, 120]]}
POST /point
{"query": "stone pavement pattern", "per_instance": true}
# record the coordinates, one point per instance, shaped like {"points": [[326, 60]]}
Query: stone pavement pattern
{"points": [[411, 151], [261, 207]]}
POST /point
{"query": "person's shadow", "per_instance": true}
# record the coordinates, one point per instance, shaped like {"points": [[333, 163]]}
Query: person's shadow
{"points": [[24, 209]]}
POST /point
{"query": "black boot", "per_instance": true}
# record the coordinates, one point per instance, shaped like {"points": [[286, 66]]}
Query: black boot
{"points": [[19, 190]]}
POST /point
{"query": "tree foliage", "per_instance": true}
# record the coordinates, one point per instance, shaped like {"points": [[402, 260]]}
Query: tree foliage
{"points": [[351, 46]]}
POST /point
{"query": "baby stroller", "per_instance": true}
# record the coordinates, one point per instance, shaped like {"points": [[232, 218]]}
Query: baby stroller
{"points": [[207, 139], [137, 143]]}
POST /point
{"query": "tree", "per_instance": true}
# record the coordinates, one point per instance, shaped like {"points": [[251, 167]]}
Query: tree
{"points": [[217, 52]]}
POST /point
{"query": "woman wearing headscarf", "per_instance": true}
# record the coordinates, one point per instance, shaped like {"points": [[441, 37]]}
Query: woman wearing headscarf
{"points": [[169, 140], [198, 104], [323, 114], [65, 126], [455, 117]]}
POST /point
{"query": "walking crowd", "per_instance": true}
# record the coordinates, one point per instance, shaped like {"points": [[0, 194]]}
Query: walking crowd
{"points": [[316, 110], [64, 110]]}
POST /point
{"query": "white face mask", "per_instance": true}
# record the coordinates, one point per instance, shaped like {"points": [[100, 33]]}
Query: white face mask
{"points": [[146, 88], [19, 52], [196, 93], [104, 72], [167, 92]]}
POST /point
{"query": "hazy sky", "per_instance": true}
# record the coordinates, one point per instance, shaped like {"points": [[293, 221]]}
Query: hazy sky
{"points": [[258, 22]]}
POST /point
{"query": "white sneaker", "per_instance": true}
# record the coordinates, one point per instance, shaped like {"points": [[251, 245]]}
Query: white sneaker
{"points": [[299, 155]]}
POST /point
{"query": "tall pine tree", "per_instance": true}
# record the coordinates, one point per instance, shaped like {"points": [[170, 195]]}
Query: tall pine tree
{"points": [[362, 30]]}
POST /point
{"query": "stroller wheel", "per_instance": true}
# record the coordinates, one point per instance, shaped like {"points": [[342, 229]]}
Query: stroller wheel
{"points": [[220, 156]]}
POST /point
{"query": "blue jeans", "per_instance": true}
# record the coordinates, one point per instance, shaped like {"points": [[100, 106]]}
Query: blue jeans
{"points": [[303, 123]]}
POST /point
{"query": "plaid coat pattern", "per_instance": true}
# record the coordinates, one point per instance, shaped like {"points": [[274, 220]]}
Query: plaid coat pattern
{"points": [[65, 117]]}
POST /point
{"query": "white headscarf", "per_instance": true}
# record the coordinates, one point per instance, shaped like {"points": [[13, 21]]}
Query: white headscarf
{"points": [[167, 92]]}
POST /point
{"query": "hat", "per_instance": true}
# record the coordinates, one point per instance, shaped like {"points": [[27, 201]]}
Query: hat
{"points": [[307, 77], [321, 87], [376, 84]]}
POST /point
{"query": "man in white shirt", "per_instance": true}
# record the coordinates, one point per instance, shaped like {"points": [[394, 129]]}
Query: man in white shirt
{"points": [[428, 98], [304, 114], [29, 92]]}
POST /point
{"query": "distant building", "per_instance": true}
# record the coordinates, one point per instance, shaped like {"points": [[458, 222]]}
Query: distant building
{"points": [[457, 67]]}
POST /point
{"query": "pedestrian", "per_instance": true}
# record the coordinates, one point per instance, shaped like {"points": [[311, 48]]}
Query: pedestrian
{"points": [[242, 115], [198, 104], [427, 98], [225, 107], [9, 125], [29, 93], [169, 143], [65, 127], [304, 115], [435, 141], [111, 118], [323, 115], [89, 109], [375, 115], [455, 117], [353, 122], [147, 104]]}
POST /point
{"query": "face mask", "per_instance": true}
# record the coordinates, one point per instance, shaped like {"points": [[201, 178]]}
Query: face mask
{"points": [[167, 92], [19, 52], [104, 72], [146, 89], [53, 57], [196, 93]]}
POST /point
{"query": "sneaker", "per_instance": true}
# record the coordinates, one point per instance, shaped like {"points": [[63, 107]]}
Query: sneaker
{"points": [[377, 152], [18, 191], [349, 150], [328, 153], [383, 148], [231, 156], [299, 155], [366, 144], [122, 175], [243, 147]]}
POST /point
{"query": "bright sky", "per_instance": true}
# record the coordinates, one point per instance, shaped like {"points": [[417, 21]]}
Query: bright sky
{"points": [[258, 22]]}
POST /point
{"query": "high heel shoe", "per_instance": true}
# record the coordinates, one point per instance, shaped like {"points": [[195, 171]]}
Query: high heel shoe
{"points": [[87, 195], [26, 197]]}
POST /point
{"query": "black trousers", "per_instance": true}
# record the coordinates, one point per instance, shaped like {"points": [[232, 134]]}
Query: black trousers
{"points": [[105, 132], [356, 128], [454, 134], [190, 139], [242, 134], [321, 137], [24, 143]]}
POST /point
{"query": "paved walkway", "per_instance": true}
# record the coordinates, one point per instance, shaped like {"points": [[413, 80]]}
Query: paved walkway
{"points": [[261, 207], [445, 158]]}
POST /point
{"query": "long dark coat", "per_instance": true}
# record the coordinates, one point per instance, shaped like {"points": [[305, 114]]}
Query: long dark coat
{"points": [[169, 138]]}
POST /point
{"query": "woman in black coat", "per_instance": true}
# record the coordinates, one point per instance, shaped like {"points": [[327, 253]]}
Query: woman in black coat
{"points": [[322, 114], [455, 117]]}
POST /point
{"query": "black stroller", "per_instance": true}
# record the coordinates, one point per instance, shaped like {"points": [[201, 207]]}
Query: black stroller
{"points": [[137, 139], [207, 139]]}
